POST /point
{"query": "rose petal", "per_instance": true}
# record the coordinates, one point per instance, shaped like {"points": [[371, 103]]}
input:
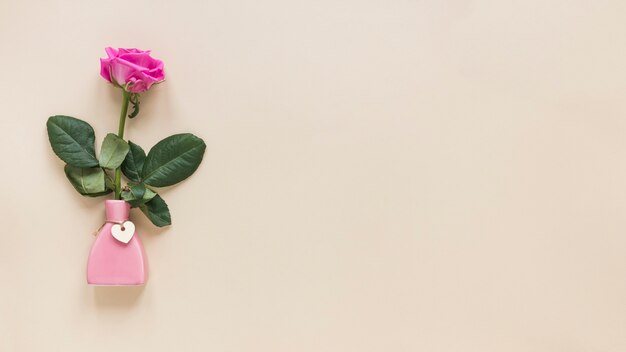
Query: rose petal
{"points": [[105, 69], [122, 70], [111, 52], [133, 50], [137, 87]]}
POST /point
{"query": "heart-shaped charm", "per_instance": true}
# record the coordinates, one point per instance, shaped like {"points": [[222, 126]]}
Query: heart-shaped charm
{"points": [[123, 232]]}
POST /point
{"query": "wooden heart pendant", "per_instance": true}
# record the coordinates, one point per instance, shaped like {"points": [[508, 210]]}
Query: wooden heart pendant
{"points": [[123, 232]]}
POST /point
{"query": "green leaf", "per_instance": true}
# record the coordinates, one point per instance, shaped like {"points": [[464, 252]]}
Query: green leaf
{"points": [[173, 159], [157, 211], [133, 194], [108, 181], [133, 164], [149, 195], [137, 194], [88, 181], [113, 151], [72, 140]]}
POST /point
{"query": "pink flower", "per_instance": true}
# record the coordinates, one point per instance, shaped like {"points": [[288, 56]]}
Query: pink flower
{"points": [[132, 69]]}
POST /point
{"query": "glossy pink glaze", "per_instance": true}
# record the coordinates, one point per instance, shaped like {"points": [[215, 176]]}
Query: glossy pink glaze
{"points": [[112, 262]]}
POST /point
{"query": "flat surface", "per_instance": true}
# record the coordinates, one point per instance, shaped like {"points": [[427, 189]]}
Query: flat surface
{"points": [[436, 176]]}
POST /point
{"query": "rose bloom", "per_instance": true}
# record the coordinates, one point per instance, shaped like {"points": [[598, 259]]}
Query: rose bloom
{"points": [[132, 69]]}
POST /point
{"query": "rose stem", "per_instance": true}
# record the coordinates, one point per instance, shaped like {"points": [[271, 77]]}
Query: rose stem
{"points": [[120, 133]]}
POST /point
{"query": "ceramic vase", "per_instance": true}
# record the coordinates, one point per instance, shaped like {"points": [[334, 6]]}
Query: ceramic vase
{"points": [[111, 261]]}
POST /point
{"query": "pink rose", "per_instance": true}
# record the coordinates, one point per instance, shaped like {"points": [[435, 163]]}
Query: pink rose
{"points": [[132, 69]]}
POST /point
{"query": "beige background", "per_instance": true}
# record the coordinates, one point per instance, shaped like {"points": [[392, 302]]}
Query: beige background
{"points": [[380, 176]]}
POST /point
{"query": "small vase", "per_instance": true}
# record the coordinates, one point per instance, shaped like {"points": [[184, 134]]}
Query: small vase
{"points": [[112, 262]]}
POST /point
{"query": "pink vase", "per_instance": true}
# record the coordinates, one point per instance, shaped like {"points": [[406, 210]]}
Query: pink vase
{"points": [[112, 262]]}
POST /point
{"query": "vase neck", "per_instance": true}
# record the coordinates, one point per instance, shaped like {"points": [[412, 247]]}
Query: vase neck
{"points": [[116, 210]]}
